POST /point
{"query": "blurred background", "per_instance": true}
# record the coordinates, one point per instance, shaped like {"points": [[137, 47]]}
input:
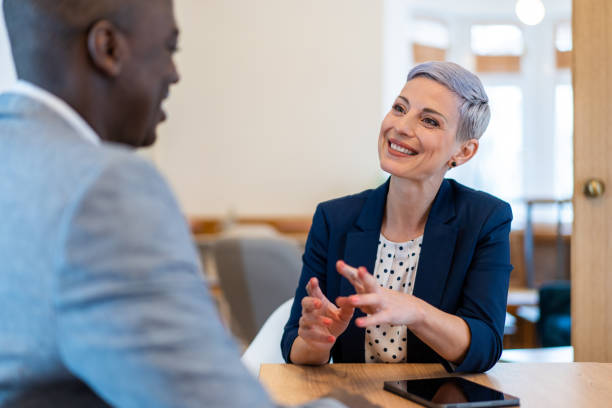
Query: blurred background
{"points": [[280, 105]]}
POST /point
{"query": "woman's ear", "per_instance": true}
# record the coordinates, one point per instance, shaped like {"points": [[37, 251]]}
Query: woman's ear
{"points": [[466, 151], [107, 47]]}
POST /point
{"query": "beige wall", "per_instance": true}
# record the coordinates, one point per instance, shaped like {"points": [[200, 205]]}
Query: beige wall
{"points": [[279, 106]]}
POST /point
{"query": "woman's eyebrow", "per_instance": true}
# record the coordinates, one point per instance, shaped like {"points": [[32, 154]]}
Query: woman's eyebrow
{"points": [[426, 110], [435, 112], [404, 99]]}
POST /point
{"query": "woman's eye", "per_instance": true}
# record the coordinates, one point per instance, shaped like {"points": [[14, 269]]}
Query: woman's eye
{"points": [[399, 108], [431, 122]]}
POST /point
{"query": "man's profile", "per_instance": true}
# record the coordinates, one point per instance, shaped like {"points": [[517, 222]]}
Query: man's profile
{"points": [[101, 295]]}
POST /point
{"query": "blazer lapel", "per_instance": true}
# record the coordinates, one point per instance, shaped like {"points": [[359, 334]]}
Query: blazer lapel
{"points": [[360, 250], [437, 249], [362, 240]]}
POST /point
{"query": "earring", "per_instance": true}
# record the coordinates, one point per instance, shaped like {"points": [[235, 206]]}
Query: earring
{"points": [[453, 164]]}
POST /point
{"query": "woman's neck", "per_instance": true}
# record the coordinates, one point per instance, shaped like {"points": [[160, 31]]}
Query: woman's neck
{"points": [[407, 208]]}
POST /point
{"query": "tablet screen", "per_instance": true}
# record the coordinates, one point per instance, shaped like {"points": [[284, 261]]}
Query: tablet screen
{"points": [[450, 392]]}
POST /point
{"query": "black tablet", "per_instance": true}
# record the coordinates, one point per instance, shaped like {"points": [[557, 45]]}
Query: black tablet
{"points": [[447, 392]]}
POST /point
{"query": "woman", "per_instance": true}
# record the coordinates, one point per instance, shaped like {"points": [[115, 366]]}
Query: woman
{"points": [[438, 251]]}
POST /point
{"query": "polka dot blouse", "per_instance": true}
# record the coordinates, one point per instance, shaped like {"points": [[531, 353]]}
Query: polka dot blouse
{"points": [[396, 267]]}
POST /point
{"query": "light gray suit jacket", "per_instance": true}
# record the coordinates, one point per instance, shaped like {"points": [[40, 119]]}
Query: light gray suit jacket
{"points": [[102, 299]]}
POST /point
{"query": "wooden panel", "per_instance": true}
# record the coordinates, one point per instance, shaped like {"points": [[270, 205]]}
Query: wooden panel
{"points": [[498, 63], [536, 384], [424, 53], [592, 231], [564, 59], [283, 224], [200, 225], [544, 255]]}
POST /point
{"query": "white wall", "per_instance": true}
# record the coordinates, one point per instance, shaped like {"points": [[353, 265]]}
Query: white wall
{"points": [[279, 105]]}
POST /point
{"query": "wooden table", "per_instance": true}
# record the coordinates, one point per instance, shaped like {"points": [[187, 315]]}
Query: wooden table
{"points": [[536, 384]]}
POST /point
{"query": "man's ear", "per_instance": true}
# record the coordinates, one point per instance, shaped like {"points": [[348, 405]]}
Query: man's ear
{"points": [[107, 47], [466, 151]]}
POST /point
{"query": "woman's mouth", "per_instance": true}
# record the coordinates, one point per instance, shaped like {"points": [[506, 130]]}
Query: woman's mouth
{"points": [[395, 148]]}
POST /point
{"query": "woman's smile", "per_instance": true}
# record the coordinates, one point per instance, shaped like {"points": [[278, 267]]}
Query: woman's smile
{"points": [[398, 149]]}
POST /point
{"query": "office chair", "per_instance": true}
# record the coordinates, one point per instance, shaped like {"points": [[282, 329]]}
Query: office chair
{"points": [[256, 275]]}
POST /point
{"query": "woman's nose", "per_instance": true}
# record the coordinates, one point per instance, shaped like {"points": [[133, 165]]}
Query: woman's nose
{"points": [[406, 124]]}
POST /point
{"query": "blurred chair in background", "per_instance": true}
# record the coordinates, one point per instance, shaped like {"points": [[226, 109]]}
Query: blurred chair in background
{"points": [[256, 275], [555, 323], [265, 347]]}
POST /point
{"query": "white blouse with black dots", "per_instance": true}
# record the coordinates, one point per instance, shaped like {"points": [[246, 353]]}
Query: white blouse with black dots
{"points": [[396, 267]]}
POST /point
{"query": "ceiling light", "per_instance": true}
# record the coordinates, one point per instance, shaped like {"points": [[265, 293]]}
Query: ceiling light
{"points": [[530, 12]]}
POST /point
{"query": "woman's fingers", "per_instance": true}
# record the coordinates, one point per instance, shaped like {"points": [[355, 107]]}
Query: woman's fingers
{"points": [[346, 309], [348, 302], [343, 302], [368, 281], [314, 327], [313, 290], [313, 334], [351, 274], [369, 299], [372, 319], [310, 304], [311, 320]]}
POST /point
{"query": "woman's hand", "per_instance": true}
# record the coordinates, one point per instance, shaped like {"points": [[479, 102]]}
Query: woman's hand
{"points": [[380, 304], [319, 327], [447, 334], [322, 321]]}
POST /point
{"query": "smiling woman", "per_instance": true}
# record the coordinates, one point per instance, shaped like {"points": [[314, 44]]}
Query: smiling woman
{"points": [[457, 239]]}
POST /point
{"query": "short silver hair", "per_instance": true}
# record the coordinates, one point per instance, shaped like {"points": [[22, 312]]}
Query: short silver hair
{"points": [[474, 111]]}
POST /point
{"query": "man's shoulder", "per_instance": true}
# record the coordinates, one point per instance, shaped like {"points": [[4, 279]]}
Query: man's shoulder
{"points": [[37, 137], [85, 164], [41, 153]]}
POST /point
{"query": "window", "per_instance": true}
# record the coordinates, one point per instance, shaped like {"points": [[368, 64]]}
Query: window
{"points": [[497, 48], [496, 168], [430, 40], [564, 119], [497, 40], [563, 45], [563, 36], [564, 155], [526, 153]]}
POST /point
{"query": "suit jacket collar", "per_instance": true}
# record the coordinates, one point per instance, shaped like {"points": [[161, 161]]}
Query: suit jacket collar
{"points": [[437, 249], [371, 216], [443, 207], [374, 208], [30, 99]]}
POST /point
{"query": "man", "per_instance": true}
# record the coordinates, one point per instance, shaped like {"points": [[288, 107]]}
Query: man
{"points": [[101, 295]]}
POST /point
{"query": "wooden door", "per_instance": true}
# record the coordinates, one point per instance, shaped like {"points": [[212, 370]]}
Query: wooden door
{"points": [[592, 232]]}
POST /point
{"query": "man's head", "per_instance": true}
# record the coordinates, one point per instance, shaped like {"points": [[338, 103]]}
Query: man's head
{"points": [[111, 60]]}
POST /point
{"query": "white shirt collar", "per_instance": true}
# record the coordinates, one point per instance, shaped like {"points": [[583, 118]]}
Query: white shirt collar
{"points": [[58, 106]]}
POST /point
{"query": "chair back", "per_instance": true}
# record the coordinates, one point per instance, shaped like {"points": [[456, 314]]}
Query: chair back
{"points": [[265, 347], [256, 275]]}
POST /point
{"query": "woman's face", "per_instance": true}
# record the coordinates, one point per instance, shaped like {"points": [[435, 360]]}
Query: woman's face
{"points": [[418, 136]]}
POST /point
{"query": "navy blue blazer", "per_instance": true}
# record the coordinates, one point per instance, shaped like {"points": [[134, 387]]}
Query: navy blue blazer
{"points": [[464, 268]]}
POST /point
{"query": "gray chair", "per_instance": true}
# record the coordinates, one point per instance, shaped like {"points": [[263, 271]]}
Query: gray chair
{"points": [[256, 275]]}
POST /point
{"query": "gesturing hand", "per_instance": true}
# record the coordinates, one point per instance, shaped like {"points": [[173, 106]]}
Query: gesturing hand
{"points": [[322, 321], [382, 306]]}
